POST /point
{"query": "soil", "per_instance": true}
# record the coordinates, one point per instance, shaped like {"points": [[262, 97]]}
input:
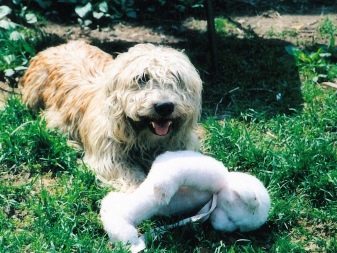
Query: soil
{"points": [[296, 26], [265, 24]]}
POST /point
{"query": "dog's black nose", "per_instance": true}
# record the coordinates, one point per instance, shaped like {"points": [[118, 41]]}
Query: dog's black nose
{"points": [[164, 108]]}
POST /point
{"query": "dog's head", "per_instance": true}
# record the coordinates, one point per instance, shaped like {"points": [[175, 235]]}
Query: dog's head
{"points": [[156, 90]]}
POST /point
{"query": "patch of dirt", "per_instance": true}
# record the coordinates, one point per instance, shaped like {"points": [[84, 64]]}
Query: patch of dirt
{"points": [[118, 32], [17, 180], [263, 24], [5, 92], [310, 233], [3, 98], [269, 23]]}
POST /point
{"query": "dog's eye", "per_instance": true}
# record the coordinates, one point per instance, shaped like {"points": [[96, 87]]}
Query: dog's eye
{"points": [[178, 78], [143, 79]]}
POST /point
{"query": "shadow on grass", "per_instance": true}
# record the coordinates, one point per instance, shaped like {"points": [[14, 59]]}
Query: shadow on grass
{"points": [[204, 238], [254, 74]]}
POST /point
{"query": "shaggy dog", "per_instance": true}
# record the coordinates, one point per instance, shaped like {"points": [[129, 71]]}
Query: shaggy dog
{"points": [[179, 182], [124, 111]]}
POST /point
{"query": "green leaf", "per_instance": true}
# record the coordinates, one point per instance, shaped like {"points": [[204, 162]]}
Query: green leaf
{"points": [[31, 18], [9, 72], [199, 5], [7, 24], [293, 51], [325, 55], [315, 57], [82, 11], [29, 49], [332, 41], [103, 7], [87, 22], [9, 58], [304, 57], [4, 11], [15, 35], [97, 15], [20, 68]]}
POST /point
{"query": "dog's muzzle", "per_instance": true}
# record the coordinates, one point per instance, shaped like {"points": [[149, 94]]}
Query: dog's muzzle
{"points": [[162, 126], [161, 123]]}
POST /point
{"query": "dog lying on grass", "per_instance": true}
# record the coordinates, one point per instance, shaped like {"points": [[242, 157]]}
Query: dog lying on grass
{"points": [[124, 111], [179, 182]]}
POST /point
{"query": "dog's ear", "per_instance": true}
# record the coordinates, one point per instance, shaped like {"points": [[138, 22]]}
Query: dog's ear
{"points": [[189, 78], [122, 132]]}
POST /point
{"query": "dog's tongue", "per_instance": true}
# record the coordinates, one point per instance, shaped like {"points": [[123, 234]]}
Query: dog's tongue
{"points": [[161, 128]]}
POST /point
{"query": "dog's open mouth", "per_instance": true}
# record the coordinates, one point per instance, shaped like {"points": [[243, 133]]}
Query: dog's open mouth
{"points": [[161, 128]]}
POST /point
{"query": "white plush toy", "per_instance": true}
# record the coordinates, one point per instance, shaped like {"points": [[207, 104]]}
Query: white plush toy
{"points": [[243, 204], [179, 182]]}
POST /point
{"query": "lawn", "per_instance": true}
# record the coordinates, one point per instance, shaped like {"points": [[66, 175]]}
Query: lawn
{"points": [[274, 120]]}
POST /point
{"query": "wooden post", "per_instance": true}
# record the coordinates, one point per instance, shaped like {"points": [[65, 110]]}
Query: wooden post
{"points": [[211, 38]]}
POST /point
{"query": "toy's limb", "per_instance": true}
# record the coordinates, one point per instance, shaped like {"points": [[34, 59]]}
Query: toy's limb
{"points": [[206, 176], [185, 200], [221, 222], [117, 226]]}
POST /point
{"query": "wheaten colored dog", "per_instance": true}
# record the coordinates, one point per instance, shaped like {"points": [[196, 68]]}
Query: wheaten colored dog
{"points": [[124, 111], [179, 182]]}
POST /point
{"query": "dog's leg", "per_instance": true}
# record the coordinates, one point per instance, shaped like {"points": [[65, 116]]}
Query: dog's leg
{"points": [[54, 120], [120, 175], [129, 177]]}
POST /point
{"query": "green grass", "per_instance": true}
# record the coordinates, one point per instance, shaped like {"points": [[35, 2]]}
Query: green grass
{"points": [[49, 200], [296, 158]]}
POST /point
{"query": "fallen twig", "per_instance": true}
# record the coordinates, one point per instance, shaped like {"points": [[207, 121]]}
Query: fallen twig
{"points": [[6, 88], [329, 84]]}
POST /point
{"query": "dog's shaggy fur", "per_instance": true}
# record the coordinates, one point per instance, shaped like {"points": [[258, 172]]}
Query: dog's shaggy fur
{"points": [[124, 111], [179, 182]]}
